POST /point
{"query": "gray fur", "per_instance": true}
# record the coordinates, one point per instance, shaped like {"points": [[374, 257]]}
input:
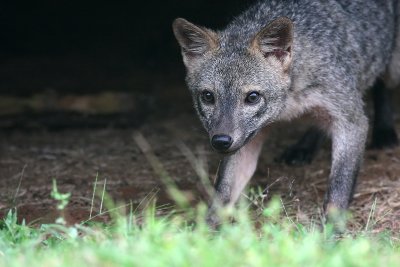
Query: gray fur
{"points": [[301, 56]]}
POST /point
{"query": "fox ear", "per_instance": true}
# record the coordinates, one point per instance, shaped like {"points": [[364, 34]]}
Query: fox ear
{"points": [[195, 41], [276, 40]]}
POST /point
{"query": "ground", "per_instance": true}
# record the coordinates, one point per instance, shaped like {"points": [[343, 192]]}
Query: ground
{"points": [[30, 160]]}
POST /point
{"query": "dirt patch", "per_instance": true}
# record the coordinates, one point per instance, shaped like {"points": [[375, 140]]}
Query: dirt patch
{"points": [[29, 161]]}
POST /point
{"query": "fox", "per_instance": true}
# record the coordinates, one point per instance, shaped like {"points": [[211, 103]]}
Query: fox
{"points": [[279, 60]]}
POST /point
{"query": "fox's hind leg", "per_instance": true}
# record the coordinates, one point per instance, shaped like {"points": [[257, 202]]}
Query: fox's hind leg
{"points": [[392, 75], [304, 150], [383, 132]]}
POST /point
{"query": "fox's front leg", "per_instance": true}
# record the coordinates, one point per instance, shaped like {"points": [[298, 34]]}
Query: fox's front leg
{"points": [[348, 145], [234, 172]]}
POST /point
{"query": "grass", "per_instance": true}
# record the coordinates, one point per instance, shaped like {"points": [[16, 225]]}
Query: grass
{"points": [[148, 240], [144, 238]]}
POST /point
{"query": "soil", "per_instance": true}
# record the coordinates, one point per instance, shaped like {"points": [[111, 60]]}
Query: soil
{"points": [[30, 160]]}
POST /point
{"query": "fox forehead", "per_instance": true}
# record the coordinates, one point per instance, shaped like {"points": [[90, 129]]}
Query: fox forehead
{"points": [[220, 73], [245, 88]]}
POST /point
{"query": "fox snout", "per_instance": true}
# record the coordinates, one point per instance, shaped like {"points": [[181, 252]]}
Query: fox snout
{"points": [[221, 142], [228, 144]]}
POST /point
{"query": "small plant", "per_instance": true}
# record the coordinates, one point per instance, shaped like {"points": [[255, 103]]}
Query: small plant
{"points": [[62, 199], [12, 231]]}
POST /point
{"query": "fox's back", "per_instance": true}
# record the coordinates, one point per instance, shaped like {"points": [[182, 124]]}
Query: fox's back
{"points": [[352, 40]]}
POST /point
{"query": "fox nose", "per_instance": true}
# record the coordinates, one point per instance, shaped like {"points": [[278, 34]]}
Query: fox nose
{"points": [[221, 142]]}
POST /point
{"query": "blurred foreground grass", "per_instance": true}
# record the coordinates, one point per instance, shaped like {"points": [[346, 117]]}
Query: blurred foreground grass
{"points": [[174, 240], [182, 238]]}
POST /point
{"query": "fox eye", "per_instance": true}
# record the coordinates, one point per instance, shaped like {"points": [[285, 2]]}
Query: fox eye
{"points": [[207, 97], [253, 98]]}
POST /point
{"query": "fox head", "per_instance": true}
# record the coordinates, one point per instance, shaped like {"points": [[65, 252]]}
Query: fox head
{"points": [[239, 81]]}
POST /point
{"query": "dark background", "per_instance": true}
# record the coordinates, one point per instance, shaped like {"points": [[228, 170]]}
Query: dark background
{"points": [[89, 46]]}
